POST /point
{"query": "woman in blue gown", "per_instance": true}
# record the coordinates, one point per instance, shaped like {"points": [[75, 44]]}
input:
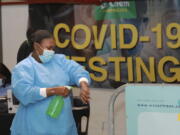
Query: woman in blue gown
{"points": [[36, 80]]}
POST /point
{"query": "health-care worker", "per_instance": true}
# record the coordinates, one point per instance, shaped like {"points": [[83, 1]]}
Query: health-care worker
{"points": [[36, 80], [5, 80]]}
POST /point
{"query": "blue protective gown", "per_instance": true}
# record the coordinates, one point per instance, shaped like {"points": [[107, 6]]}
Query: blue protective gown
{"points": [[27, 79]]}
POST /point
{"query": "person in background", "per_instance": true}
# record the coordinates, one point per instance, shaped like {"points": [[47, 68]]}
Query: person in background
{"points": [[5, 79], [5, 84], [37, 79]]}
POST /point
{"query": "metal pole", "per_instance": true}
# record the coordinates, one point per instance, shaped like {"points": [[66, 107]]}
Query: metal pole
{"points": [[111, 128]]}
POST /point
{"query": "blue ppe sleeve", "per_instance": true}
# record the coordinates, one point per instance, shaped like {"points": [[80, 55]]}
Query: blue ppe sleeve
{"points": [[75, 70], [23, 86]]}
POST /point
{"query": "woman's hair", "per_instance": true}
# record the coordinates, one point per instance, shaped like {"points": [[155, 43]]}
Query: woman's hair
{"points": [[4, 71], [39, 35]]}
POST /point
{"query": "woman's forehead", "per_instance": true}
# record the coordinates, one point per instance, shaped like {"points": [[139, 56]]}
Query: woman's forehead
{"points": [[47, 42]]}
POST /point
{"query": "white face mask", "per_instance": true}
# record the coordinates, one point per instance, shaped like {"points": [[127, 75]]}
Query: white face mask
{"points": [[1, 82]]}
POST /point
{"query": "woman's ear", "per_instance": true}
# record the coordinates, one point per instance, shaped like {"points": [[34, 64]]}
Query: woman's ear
{"points": [[36, 45], [38, 48]]}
